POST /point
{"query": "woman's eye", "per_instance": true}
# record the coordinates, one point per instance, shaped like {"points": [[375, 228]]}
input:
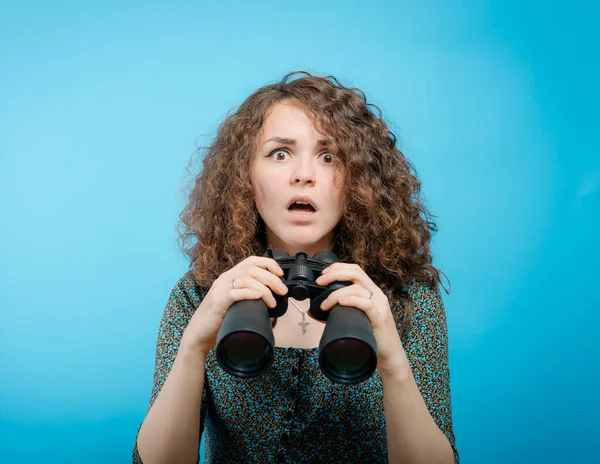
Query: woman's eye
{"points": [[328, 158], [275, 152]]}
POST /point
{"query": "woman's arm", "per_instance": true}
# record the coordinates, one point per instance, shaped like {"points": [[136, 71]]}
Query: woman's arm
{"points": [[172, 429], [413, 436], [417, 393], [169, 434]]}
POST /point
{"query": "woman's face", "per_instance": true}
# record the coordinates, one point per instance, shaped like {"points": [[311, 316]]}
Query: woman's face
{"points": [[292, 159]]}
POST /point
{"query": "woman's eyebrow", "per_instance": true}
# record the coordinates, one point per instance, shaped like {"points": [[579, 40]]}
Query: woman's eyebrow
{"points": [[286, 141]]}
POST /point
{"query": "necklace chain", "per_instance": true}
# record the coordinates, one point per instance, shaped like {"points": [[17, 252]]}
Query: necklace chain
{"points": [[299, 309]]}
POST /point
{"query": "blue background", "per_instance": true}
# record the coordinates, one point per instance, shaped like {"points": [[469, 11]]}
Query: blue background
{"points": [[102, 105]]}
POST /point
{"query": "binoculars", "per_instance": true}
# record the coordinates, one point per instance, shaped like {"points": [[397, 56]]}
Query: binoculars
{"points": [[347, 349]]}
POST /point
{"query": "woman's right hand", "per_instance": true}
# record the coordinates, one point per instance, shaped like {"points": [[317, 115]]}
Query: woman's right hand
{"points": [[254, 277]]}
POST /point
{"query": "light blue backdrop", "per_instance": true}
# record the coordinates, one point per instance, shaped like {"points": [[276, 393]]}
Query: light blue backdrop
{"points": [[101, 107]]}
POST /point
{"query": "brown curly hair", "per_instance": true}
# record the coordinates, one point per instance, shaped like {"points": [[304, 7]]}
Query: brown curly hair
{"points": [[385, 227]]}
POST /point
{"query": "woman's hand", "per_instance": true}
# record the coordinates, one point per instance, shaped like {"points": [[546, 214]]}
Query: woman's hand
{"points": [[254, 278], [390, 353]]}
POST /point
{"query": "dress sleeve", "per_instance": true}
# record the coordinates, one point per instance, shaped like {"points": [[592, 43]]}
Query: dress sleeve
{"points": [[426, 347], [183, 301]]}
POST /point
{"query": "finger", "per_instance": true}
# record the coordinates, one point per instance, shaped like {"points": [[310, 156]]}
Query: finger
{"points": [[267, 278], [252, 283], [336, 296], [349, 273], [238, 294], [338, 265], [266, 263], [356, 301]]}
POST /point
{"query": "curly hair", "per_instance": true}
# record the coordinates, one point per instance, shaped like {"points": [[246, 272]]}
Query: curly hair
{"points": [[385, 227]]}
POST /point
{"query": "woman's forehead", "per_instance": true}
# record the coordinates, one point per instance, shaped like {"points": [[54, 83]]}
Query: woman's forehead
{"points": [[288, 118]]}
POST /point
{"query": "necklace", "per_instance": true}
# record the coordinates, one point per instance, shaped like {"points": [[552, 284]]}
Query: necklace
{"points": [[304, 322]]}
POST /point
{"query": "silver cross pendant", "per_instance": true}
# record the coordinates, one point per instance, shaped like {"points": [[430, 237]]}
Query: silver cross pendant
{"points": [[303, 323]]}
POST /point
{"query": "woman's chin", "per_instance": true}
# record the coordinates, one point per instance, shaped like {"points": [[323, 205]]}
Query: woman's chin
{"points": [[295, 239]]}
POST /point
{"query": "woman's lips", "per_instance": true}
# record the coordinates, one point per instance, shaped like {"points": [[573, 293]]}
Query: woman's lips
{"points": [[302, 216]]}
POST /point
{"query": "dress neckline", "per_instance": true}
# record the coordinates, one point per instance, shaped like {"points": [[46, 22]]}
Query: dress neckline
{"points": [[295, 348]]}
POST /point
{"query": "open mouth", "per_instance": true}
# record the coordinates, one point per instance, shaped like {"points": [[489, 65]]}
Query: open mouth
{"points": [[301, 208]]}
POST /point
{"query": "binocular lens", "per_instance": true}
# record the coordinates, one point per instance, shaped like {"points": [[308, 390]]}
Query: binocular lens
{"points": [[245, 352], [348, 359]]}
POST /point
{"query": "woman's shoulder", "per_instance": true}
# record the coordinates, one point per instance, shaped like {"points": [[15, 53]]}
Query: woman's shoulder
{"points": [[426, 301], [419, 289], [187, 293], [418, 282]]}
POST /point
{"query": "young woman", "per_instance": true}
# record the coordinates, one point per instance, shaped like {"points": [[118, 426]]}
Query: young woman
{"points": [[304, 165]]}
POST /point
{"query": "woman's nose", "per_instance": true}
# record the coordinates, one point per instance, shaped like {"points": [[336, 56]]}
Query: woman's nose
{"points": [[304, 172]]}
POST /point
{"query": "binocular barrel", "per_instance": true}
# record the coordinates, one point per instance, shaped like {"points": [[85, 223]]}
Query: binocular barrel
{"points": [[245, 340], [347, 350]]}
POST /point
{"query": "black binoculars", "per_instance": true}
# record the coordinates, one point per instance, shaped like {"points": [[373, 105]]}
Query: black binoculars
{"points": [[347, 349]]}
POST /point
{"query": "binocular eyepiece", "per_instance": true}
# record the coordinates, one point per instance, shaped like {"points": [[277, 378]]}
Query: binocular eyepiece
{"points": [[347, 350]]}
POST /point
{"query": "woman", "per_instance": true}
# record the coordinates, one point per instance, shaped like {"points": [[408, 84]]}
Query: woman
{"points": [[304, 165]]}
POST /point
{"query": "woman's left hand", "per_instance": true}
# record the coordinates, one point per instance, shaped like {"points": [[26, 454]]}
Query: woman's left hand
{"points": [[390, 353]]}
